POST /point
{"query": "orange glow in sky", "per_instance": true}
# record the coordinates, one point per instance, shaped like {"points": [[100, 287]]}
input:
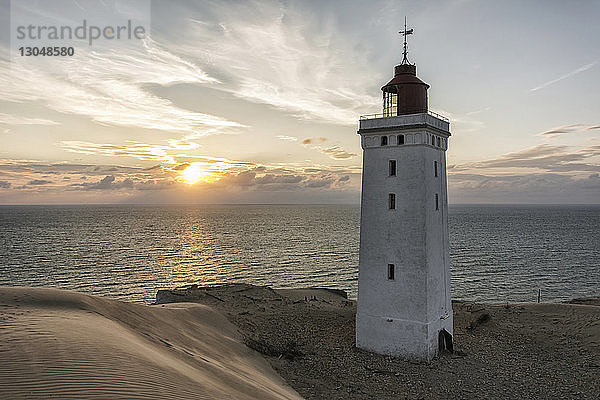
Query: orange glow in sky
{"points": [[195, 173]]}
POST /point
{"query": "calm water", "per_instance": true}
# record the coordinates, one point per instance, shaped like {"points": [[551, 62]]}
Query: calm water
{"points": [[128, 252]]}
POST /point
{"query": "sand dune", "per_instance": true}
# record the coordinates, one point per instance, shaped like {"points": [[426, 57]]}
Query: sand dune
{"points": [[68, 345]]}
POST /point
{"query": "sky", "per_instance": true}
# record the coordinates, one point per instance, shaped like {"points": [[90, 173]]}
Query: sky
{"points": [[258, 101]]}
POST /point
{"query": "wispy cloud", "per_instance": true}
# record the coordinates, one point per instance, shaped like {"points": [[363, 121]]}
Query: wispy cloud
{"points": [[337, 152], [288, 138], [109, 86], [270, 53], [141, 151], [169, 156], [565, 76], [20, 120], [560, 130]]}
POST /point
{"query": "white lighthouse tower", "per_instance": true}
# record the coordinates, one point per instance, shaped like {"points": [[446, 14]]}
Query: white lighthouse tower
{"points": [[404, 303]]}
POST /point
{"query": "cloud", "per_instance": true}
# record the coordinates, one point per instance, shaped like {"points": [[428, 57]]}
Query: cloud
{"points": [[319, 183], [109, 182], [565, 76], [241, 179], [272, 53], [562, 129], [337, 152], [539, 174], [37, 182], [151, 152], [20, 120], [273, 178], [134, 149], [545, 157], [288, 138], [278, 179], [181, 167], [110, 87], [524, 188], [234, 182], [155, 185], [559, 130], [25, 174], [313, 140]]}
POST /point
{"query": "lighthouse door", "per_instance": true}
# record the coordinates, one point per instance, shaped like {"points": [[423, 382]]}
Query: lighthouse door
{"points": [[445, 342]]}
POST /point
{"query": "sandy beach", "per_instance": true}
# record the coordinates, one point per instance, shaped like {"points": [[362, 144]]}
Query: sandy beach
{"points": [[514, 351], [63, 344], [247, 342]]}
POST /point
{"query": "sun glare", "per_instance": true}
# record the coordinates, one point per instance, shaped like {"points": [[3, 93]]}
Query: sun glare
{"points": [[194, 173]]}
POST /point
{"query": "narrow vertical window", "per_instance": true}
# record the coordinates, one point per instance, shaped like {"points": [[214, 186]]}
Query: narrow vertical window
{"points": [[392, 167], [435, 173], [390, 272], [437, 202], [438, 142], [400, 139], [384, 140], [432, 140], [392, 201]]}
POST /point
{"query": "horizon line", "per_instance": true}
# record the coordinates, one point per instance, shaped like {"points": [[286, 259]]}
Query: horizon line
{"points": [[280, 204]]}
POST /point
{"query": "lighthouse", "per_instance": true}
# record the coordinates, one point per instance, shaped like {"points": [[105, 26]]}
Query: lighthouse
{"points": [[404, 303]]}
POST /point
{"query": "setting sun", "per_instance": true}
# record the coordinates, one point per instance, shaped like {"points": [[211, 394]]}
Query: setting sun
{"points": [[195, 173]]}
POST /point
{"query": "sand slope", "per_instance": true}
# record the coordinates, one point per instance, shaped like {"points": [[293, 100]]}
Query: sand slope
{"points": [[68, 345]]}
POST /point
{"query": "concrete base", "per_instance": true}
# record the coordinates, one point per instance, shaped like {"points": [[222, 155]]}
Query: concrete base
{"points": [[411, 340]]}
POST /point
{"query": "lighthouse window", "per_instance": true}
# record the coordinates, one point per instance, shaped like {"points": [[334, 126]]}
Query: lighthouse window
{"points": [[437, 202], [435, 173], [400, 139], [392, 167], [384, 140], [390, 272], [392, 201], [390, 104]]}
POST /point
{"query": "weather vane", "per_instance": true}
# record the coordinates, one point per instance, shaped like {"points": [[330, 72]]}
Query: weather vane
{"points": [[405, 32]]}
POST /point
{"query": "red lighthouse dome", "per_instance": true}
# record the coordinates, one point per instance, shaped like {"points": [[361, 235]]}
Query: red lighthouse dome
{"points": [[405, 93]]}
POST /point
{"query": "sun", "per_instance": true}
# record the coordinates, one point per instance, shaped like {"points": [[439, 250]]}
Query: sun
{"points": [[194, 173]]}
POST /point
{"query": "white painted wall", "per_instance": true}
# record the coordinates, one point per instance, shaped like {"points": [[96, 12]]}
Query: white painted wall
{"points": [[403, 317]]}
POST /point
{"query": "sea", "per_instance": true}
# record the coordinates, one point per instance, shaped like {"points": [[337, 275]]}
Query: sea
{"points": [[498, 253]]}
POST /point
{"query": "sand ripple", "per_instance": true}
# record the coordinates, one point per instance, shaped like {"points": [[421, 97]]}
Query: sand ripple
{"points": [[68, 345]]}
